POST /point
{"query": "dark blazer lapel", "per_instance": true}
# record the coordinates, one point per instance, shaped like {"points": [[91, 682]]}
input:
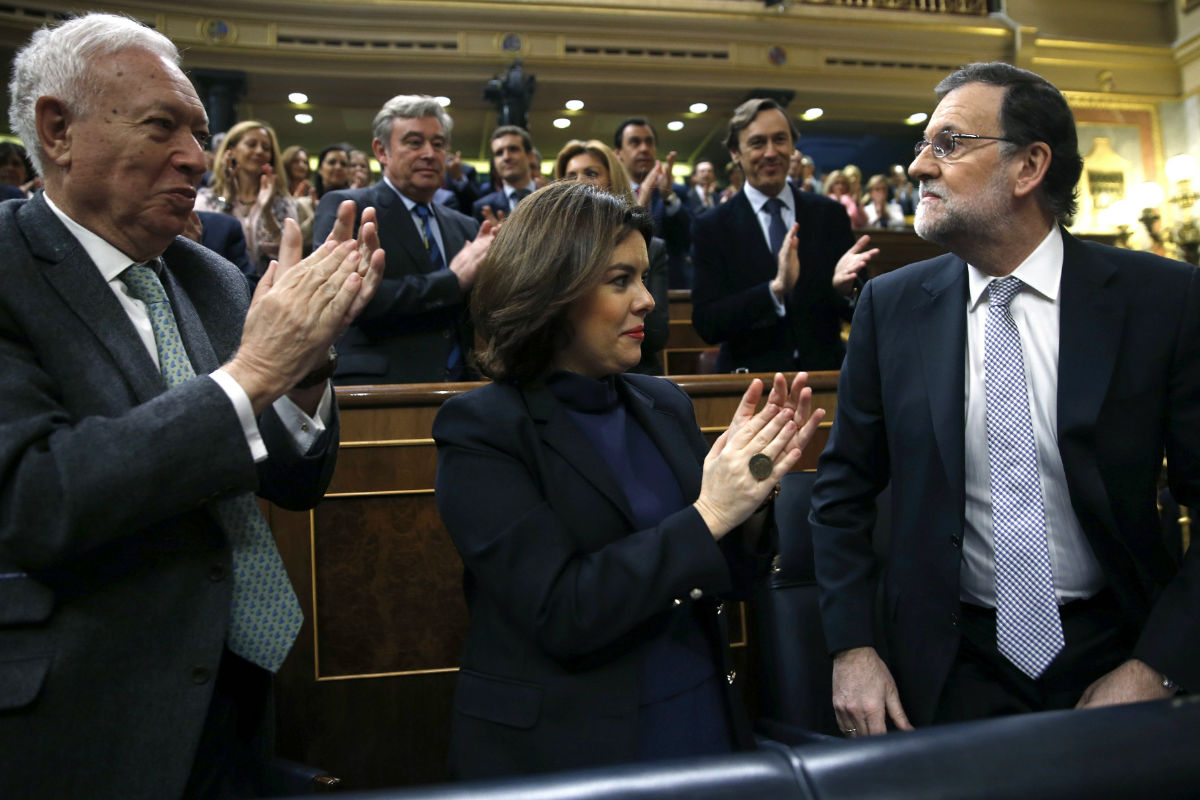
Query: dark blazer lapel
{"points": [[664, 430], [941, 319], [563, 436], [397, 231], [452, 234], [1091, 318], [757, 263], [77, 280]]}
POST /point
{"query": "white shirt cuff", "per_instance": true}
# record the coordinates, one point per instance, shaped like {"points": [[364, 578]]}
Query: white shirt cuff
{"points": [[245, 412], [674, 204], [780, 309]]}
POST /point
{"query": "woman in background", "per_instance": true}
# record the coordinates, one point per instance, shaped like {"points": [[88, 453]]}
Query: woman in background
{"points": [[333, 170], [837, 186], [298, 172], [595, 163], [360, 169], [16, 170], [247, 185], [598, 530], [880, 212]]}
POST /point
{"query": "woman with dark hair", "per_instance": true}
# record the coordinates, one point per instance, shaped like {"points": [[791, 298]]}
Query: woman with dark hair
{"points": [[298, 173], [247, 185], [598, 530], [333, 169], [595, 163], [17, 170], [360, 169]]}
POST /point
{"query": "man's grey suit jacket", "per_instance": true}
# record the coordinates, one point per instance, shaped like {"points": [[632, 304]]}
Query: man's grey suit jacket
{"points": [[115, 580], [418, 315]]}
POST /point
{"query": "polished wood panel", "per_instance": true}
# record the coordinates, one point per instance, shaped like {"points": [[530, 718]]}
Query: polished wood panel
{"points": [[366, 692]]}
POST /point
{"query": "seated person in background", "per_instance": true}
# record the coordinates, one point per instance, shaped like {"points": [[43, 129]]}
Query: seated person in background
{"points": [[462, 180], [598, 531], [360, 169], [17, 170], [808, 175], [901, 191], [837, 187], [737, 179], [333, 170], [593, 162], [222, 234], [752, 297], [297, 172], [703, 193], [247, 185], [416, 329], [512, 169], [881, 212]]}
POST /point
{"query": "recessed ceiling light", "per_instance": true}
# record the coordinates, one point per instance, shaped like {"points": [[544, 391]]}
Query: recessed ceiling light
{"points": [[674, 125], [299, 98], [562, 122], [573, 105], [698, 108], [812, 113], [304, 119], [917, 118], [442, 100]]}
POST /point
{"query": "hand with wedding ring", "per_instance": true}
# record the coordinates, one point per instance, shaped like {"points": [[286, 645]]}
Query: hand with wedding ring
{"points": [[758, 449]]}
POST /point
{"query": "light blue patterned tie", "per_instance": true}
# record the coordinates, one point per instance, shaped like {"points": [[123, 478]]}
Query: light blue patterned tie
{"points": [[266, 615], [1028, 627]]}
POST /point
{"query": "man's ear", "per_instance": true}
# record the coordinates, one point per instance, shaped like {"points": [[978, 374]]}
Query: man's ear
{"points": [[379, 150], [733, 156], [53, 124], [1030, 168]]}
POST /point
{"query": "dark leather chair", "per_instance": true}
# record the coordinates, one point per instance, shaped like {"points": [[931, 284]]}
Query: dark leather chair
{"points": [[1143, 750]]}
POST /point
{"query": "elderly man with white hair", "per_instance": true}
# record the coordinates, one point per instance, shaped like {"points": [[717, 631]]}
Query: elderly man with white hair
{"points": [[145, 399]]}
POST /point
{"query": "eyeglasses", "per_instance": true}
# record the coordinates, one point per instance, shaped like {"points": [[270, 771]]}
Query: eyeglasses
{"points": [[944, 142]]}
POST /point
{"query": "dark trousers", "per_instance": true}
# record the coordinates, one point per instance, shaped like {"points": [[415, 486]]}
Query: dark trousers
{"points": [[236, 741], [983, 683]]}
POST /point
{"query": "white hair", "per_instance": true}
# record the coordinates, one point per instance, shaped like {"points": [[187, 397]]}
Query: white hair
{"points": [[408, 106], [60, 62]]}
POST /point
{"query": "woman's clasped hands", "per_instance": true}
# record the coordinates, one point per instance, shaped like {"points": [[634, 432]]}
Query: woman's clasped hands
{"points": [[756, 451]]}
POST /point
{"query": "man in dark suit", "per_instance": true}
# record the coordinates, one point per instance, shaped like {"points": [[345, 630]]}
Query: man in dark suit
{"points": [[512, 167], [703, 194], [901, 191], [1019, 394], [223, 234], [767, 309], [635, 143], [462, 181], [143, 605], [416, 328]]}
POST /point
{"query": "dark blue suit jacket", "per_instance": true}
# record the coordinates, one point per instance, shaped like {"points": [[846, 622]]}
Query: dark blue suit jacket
{"points": [[676, 230], [563, 589], [1128, 391], [731, 303], [223, 235]]}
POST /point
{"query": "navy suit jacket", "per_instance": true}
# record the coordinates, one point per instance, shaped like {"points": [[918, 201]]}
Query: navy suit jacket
{"points": [[1128, 391], [418, 315], [731, 302], [563, 590], [115, 578], [496, 200], [223, 234], [676, 230]]}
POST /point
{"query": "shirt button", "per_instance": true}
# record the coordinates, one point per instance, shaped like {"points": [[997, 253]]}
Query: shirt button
{"points": [[200, 676], [695, 594]]}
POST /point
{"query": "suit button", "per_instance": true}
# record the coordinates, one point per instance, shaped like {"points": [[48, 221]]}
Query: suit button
{"points": [[956, 541], [216, 573], [676, 602], [200, 676], [777, 564], [731, 676], [695, 594], [953, 619], [720, 608]]}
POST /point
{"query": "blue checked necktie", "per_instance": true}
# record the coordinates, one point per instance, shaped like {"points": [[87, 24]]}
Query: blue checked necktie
{"points": [[266, 615], [775, 230], [1028, 628]]}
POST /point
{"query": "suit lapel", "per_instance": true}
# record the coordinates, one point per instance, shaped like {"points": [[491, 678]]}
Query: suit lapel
{"points": [[563, 436], [756, 259], [452, 235], [1091, 318], [941, 319], [397, 230], [664, 430], [77, 280]]}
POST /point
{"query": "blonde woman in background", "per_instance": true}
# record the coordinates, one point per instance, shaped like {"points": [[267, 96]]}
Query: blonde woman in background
{"points": [[248, 186]]}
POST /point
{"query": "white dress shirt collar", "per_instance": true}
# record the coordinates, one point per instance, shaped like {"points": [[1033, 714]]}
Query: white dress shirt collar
{"points": [[1041, 271], [111, 261], [758, 199]]}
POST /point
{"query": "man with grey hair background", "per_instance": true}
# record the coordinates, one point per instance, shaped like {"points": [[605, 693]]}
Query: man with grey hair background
{"points": [[145, 399], [417, 328]]}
